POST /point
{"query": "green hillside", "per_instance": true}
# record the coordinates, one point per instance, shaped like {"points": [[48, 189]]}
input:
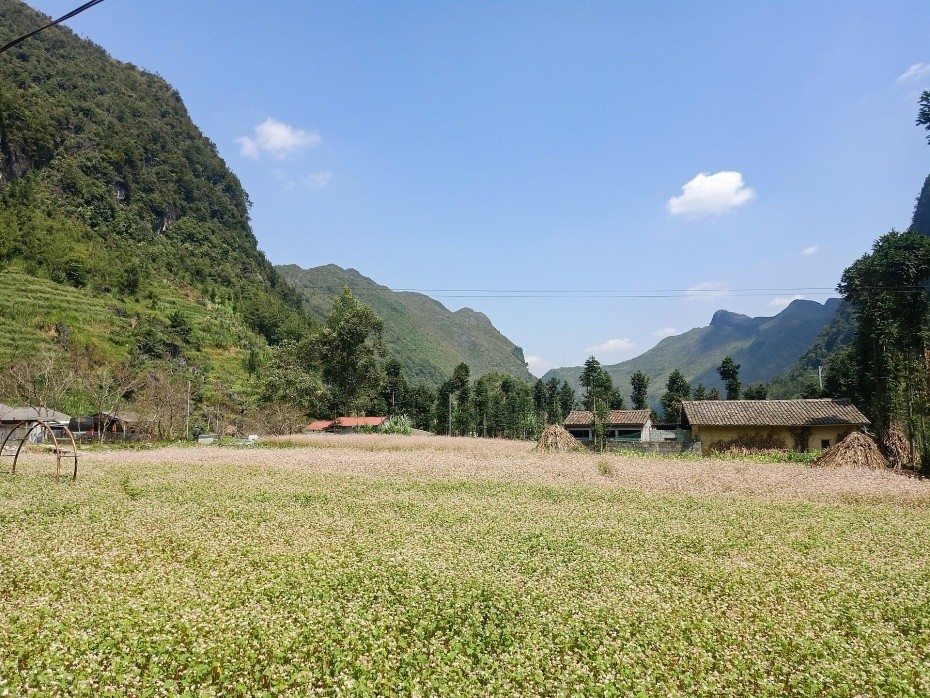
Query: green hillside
{"points": [[427, 338], [117, 214], [764, 346]]}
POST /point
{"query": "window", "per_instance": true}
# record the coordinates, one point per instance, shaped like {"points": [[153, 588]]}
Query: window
{"points": [[824, 444]]}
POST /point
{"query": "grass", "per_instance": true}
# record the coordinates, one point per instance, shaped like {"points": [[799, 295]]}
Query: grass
{"points": [[371, 565]]}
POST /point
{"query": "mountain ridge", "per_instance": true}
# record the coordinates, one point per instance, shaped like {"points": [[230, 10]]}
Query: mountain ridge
{"points": [[766, 347], [428, 339]]}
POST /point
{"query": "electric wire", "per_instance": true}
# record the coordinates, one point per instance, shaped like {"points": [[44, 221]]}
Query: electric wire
{"points": [[74, 12]]}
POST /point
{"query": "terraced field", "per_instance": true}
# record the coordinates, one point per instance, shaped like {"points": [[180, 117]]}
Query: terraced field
{"points": [[30, 309], [376, 565]]}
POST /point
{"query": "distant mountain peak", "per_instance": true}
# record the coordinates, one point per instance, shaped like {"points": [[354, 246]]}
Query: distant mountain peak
{"points": [[726, 318]]}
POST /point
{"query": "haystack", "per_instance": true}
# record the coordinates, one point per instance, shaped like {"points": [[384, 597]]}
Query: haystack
{"points": [[555, 439], [855, 451]]}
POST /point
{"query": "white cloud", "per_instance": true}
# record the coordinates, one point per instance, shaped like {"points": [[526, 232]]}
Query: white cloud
{"points": [[783, 301], [711, 195], [665, 332], [708, 289], [537, 365], [918, 71], [808, 251], [277, 139], [613, 346], [317, 180]]}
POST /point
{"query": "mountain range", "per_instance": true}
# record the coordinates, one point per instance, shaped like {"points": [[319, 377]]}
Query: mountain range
{"points": [[765, 347], [426, 338]]}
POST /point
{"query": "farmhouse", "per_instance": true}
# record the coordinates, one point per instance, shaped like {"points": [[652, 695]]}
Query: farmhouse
{"points": [[344, 425], [620, 425], [11, 416], [800, 425]]}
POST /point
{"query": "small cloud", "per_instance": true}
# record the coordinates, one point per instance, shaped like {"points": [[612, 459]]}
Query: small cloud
{"points": [[613, 346], [277, 139], [783, 301], [317, 180], [711, 195], [808, 251], [918, 71], [708, 289], [537, 365], [665, 332]]}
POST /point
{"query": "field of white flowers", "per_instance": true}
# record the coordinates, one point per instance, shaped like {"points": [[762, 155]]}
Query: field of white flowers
{"points": [[374, 565]]}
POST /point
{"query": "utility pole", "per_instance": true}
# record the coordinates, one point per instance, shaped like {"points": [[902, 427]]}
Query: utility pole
{"points": [[450, 413], [187, 423], [820, 376]]}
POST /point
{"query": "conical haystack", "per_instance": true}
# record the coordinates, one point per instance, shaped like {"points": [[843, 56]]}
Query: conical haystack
{"points": [[855, 451], [556, 439]]}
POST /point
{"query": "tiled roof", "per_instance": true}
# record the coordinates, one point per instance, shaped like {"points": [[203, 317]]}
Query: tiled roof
{"points": [[320, 425], [771, 413], [26, 414], [616, 418], [350, 422]]}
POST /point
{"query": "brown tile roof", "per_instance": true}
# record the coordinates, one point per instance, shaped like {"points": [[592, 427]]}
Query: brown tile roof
{"points": [[771, 413], [616, 418]]}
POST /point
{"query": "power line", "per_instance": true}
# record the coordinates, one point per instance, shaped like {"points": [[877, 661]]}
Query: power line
{"points": [[74, 12]]}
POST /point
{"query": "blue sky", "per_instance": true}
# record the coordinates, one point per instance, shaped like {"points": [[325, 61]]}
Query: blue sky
{"points": [[536, 160]]}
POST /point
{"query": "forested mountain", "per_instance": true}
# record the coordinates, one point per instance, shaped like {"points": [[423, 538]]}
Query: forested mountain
{"points": [[110, 192], [765, 347], [426, 338]]}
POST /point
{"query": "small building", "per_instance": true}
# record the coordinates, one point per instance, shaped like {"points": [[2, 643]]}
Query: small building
{"points": [[799, 425], [619, 425], [11, 416], [345, 425]]}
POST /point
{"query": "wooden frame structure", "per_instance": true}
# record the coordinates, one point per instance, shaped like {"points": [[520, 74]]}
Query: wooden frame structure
{"points": [[59, 446]]}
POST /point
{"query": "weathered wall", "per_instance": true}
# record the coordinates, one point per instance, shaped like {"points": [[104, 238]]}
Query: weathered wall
{"points": [[708, 436]]}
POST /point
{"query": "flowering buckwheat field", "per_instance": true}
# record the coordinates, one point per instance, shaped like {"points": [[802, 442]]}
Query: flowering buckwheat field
{"points": [[372, 565]]}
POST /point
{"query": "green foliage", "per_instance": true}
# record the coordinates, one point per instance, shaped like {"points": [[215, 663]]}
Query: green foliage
{"points": [[398, 424], [677, 389], [348, 348], [889, 291], [756, 392], [106, 186], [639, 381], [923, 112], [729, 374]]}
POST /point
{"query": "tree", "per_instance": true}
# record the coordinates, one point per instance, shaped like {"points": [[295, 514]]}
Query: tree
{"points": [[729, 374], [923, 112], [598, 391], [756, 392], [43, 380], [677, 389], [286, 378], [700, 392], [566, 399], [640, 384], [395, 387], [348, 347], [888, 288]]}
